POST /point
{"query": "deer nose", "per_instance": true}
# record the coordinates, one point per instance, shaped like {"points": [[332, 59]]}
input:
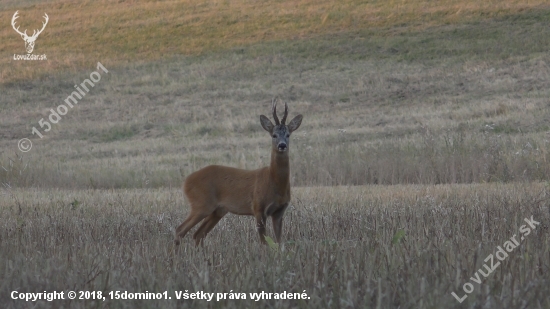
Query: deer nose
{"points": [[282, 146]]}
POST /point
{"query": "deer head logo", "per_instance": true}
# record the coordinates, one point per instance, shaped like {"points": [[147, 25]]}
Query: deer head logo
{"points": [[29, 40]]}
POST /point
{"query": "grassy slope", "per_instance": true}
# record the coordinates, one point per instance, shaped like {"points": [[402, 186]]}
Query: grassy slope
{"points": [[463, 102], [82, 32], [458, 93]]}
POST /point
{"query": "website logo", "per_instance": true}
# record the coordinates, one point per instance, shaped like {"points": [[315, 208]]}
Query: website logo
{"points": [[29, 40]]}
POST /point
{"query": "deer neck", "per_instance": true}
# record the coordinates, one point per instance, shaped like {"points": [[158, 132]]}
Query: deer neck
{"points": [[279, 170]]}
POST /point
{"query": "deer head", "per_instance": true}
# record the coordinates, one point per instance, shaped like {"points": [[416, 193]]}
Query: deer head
{"points": [[29, 40], [280, 132]]}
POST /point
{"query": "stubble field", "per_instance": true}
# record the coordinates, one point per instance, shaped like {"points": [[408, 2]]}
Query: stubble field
{"points": [[374, 247], [423, 148]]}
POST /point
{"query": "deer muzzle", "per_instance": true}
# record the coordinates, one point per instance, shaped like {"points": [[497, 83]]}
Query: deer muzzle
{"points": [[282, 147]]}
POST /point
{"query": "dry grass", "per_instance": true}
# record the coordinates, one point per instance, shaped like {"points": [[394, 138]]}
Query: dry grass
{"points": [[344, 246], [452, 104], [451, 92], [82, 32], [410, 103]]}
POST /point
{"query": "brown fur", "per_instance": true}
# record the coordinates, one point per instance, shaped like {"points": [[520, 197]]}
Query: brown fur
{"points": [[216, 190]]}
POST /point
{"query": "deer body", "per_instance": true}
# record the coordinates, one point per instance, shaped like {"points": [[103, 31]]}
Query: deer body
{"points": [[216, 190]]}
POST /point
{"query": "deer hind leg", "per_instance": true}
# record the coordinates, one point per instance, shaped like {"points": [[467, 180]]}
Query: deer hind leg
{"points": [[188, 224], [208, 224]]}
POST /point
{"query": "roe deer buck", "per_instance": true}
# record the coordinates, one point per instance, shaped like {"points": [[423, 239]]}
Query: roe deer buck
{"points": [[215, 190]]}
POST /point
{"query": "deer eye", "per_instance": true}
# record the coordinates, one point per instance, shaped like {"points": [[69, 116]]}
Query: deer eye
{"points": [[274, 135], [288, 135]]}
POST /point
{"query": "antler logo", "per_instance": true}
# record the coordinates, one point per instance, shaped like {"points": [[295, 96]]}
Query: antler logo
{"points": [[29, 40]]}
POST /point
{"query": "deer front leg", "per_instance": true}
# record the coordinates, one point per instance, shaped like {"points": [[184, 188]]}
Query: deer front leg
{"points": [[277, 220], [260, 226]]}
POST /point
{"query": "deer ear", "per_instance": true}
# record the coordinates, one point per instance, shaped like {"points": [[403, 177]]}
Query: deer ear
{"points": [[295, 123], [266, 124]]}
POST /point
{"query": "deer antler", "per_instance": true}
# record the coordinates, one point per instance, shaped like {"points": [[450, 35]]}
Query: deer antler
{"points": [[43, 26], [13, 25], [274, 105], [286, 114]]}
